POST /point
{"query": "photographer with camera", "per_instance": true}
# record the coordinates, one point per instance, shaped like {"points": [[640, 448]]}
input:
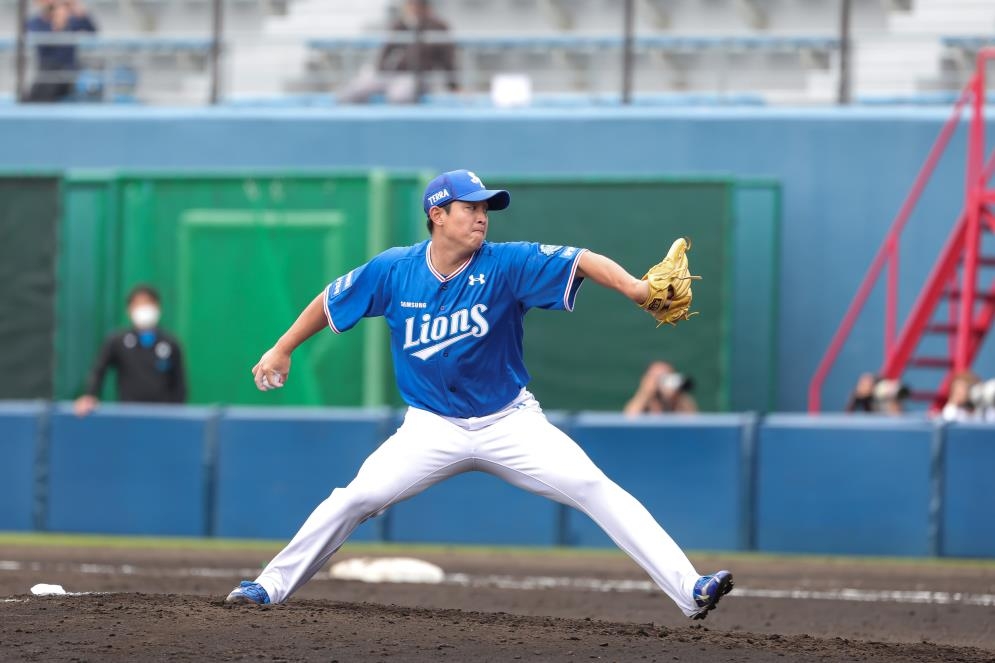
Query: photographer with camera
{"points": [[961, 404], [877, 395], [662, 390], [983, 398]]}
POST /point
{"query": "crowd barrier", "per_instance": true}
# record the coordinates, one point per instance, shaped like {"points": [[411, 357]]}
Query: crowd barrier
{"points": [[782, 483]]}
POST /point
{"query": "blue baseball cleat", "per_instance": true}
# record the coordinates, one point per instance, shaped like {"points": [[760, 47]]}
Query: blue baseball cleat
{"points": [[709, 590], [248, 592]]}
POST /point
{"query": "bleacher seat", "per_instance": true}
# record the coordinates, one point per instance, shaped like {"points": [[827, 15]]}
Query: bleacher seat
{"points": [[316, 100], [585, 100], [935, 98], [709, 51], [565, 62], [969, 43]]}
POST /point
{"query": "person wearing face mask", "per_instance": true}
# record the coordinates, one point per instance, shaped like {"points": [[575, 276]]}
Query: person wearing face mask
{"points": [[147, 360]]}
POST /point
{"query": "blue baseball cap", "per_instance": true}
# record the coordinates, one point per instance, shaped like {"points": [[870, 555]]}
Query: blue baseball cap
{"points": [[463, 185]]}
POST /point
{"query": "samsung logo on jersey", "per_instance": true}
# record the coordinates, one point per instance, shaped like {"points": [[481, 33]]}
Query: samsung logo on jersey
{"points": [[342, 283], [444, 330], [437, 196], [413, 304]]}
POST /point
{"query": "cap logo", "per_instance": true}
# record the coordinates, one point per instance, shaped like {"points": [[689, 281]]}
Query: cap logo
{"points": [[475, 179], [437, 196]]}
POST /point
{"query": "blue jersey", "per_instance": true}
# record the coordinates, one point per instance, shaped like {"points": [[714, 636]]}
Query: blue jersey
{"points": [[457, 339]]}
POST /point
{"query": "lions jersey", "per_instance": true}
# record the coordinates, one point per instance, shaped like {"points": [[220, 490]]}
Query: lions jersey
{"points": [[456, 339]]}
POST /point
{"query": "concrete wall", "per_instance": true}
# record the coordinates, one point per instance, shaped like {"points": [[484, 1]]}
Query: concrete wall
{"points": [[786, 483], [844, 175]]}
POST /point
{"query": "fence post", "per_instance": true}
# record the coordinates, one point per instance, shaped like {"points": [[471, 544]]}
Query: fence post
{"points": [[22, 59], [217, 19], [627, 38]]}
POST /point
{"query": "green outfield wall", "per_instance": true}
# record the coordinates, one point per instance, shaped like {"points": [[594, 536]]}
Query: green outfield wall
{"points": [[611, 341], [237, 254], [29, 217]]}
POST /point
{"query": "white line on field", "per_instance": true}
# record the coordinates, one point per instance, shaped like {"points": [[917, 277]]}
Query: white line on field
{"points": [[128, 570], [873, 595], [537, 583], [844, 594]]}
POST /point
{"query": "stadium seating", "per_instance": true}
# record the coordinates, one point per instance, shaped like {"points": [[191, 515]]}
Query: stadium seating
{"points": [[784, 51]]}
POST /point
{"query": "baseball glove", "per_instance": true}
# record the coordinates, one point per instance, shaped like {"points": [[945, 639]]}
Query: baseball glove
{"points": [[670, 286]]}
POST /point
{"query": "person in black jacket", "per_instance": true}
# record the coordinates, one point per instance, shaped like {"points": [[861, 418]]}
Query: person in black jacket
{"points": [[148, 361]]}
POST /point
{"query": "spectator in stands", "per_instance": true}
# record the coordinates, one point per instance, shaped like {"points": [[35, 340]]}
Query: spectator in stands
{"points": [[398, 71], [148, 361], [959, 405], [983, 397], [862, 397], [877, 395], [662, 389], [57, 64]]}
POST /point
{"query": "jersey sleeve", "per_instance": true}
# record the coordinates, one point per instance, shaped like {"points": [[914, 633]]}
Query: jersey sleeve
{"points": [[545, 275], [358, 294]]}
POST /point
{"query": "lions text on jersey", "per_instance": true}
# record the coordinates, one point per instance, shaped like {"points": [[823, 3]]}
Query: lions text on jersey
{"points": [[456, 339]]}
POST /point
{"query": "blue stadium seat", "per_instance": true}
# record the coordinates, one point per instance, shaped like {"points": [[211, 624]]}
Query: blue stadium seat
{"points": [[345, 43], [600, 42], [315, 100], [149, 44], [968, 43], [587, 100], [932, 98]]}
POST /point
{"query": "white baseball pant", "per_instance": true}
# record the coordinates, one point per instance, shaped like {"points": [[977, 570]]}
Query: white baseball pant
{"points": [[518, 445]]}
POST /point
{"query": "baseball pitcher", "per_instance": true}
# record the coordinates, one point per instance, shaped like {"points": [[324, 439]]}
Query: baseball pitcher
{"points": [[455, 306]]}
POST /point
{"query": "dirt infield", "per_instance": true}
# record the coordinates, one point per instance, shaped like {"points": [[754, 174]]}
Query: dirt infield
{"points": [[494, 606]]}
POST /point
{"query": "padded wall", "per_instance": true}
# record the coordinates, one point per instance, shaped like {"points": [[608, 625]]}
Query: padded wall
{"points": [[968, 491], [663, 461], [20, 436], [275, 466], [858, 485], [824, 485], [130, 470]]}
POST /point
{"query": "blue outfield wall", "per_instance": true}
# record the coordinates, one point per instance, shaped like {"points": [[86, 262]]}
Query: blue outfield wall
{"points": [[275, 465], [968, 492], [784, 483], [128, 470], [21, 440], [856, 485], [663, 461], [844, 173]]}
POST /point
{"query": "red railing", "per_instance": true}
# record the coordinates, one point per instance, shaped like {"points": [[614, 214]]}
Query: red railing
{"points": [[898, 352]]}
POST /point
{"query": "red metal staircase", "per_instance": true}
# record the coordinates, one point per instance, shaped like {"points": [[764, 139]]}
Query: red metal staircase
{"points": [[956, 281]]}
